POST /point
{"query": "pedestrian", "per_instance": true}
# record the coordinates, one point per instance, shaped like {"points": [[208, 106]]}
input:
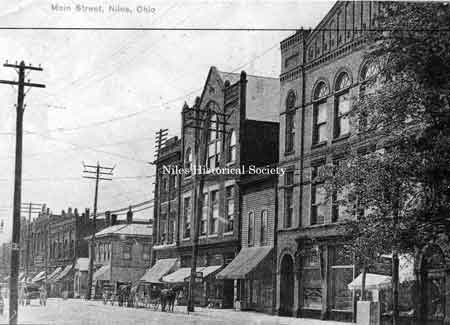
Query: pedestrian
{"points": [[42, 296], [2, 302]]}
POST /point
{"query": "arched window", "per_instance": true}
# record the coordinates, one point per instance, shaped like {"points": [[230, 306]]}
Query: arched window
{"points": [[251, 226], [188, 162], [369, 84], [231, 156], [263, 235], [369, 72], [290, 122], [214, 143], [320, 113], [342, 105]]}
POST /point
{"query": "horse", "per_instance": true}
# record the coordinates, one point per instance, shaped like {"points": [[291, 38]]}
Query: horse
{"points": [[168, 297]]}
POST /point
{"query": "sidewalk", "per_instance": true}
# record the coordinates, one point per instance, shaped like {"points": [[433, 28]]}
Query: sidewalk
{"points": [[249, 317]]}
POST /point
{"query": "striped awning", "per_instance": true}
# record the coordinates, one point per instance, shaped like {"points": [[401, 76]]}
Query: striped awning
{"points": [[54, 273], [160, 269], [39, 277], [63, 273], [102, 274], [244, 263]]}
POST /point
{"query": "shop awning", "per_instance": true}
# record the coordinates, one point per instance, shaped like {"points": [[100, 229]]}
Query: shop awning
{"points": [[38, 277], [63, 273], [102, 274], [206, 271], [54, 273], [178, 276], [245, 262], [210, 270], [373, 282], [160, 269]]}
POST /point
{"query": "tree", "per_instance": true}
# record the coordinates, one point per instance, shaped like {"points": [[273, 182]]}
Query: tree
{"points": [[397, 173]]}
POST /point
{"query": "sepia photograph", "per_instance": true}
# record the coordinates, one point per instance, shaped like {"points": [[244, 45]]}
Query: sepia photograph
{"points": [[198, 162]]}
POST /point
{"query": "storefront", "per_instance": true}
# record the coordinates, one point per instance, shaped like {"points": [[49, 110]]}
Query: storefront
{"points": [[62, 285], [251, 270], [207, 290], [80, 282], [325, 271]]}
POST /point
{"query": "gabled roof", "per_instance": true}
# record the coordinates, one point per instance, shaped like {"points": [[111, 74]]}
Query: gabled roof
{"points": [[132, 229], [262, 97]]}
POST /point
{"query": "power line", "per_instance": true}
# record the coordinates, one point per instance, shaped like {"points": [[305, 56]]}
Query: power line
{"points": [[86, 147]]}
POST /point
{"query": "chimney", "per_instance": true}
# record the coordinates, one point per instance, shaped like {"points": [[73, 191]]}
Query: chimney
{"points": [[113, 219], [86, 216], [108, 218], [129, 215]]}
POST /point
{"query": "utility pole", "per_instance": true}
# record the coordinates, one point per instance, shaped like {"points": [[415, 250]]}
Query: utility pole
{"points": [[161, 138], [30, 208], [15, 248], [200, 122], [99, 171]]}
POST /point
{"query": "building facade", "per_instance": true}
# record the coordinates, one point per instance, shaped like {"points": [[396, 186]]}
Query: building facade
{"points": [[250, 106], [322, 71], [122, 253], [166, 196], [253, 269]]}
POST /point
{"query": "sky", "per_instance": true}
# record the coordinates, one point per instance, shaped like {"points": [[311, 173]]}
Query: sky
{"points": [[108, 91]]}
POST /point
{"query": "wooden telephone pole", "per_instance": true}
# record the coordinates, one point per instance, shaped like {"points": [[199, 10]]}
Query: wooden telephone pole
{"points": [[99, 171], [15, 248], [200, 121]]}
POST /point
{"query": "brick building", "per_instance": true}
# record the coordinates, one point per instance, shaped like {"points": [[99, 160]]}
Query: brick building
{"points": [[322, 70], [166, 198], [251, 104], [122, 253]]}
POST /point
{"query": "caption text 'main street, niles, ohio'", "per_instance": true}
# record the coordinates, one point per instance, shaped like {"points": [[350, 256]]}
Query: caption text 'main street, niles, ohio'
{"points": [[101, 9]]}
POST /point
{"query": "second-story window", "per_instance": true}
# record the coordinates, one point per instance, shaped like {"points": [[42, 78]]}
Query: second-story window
{"points": [[204, 220], [163, 228], [290, 122], [187, 217], [230, 207], [288, 199], [146, 252], [342, 106], [171, 231], [318, 197], [126, 251], [214, 223], [214, 144], [231, 156], [369, 84], [320, 134], [263, 234], [188, 162], [251, 227]]}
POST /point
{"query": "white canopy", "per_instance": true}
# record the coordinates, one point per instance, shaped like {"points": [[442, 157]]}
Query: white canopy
{"points": [[373, 282]]}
